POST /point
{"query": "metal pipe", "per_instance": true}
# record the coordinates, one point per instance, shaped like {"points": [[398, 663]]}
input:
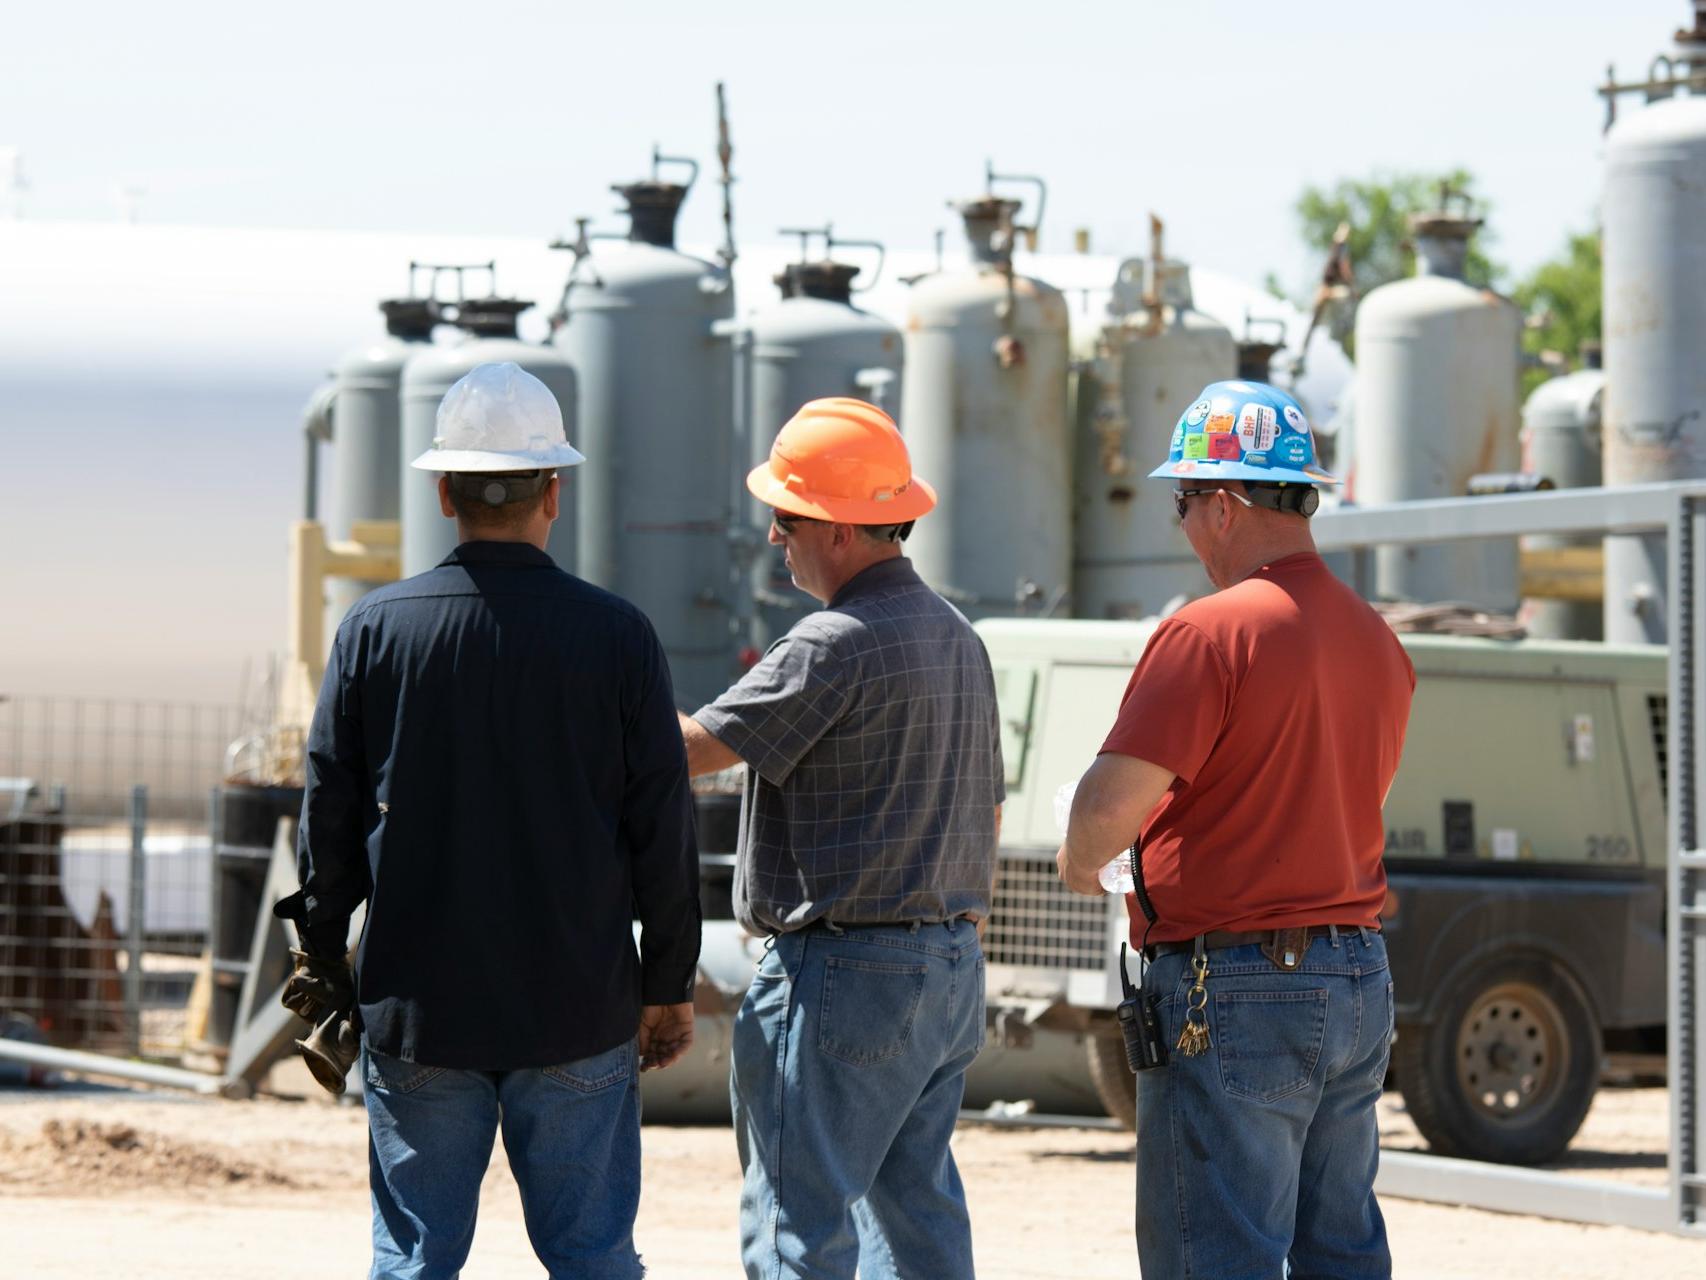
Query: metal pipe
{"points": [[310, 476], [725, 153], [77, 1062], [138, 907], [1410, 1175], [317, 428]]}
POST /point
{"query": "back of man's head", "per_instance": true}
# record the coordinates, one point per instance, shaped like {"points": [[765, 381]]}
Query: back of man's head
{"points": [[498, 501]]}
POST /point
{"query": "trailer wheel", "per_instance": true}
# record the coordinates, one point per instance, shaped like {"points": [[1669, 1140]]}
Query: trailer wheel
{"points": [[1508, 1070], [1116, 1086]]}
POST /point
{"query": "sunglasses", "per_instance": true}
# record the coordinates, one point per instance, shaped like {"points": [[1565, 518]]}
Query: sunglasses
{"points": [[1183, 495], [785, 524]]}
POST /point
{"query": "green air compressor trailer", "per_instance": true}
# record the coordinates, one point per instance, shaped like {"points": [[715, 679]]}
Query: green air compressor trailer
{"points": [[1525, 854]]}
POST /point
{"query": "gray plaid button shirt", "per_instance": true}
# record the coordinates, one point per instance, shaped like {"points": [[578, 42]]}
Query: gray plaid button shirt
{"points": [[874, 752]]}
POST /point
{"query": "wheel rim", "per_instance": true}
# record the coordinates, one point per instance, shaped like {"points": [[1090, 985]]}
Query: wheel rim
{"points": [[1513, 1054]]}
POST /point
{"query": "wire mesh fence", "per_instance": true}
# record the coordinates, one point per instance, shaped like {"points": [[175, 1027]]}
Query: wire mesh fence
{"points": [[105, 867]]}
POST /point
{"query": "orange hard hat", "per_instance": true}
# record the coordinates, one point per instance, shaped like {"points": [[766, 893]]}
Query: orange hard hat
{"points": [[843, 460]]}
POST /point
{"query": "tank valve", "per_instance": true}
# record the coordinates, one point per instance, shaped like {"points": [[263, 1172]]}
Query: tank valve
{"points": [[1009, 352]]}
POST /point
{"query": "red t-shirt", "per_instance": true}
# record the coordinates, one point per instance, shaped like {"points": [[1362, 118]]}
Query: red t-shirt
{"points": [[1280, 704]]}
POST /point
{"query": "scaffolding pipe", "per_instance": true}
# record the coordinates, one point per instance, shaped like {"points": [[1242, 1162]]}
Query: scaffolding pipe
{"points": [[77, 1062], [138, 908]]}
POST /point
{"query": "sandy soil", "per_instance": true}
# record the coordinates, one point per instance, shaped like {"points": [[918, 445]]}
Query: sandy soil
{"points": [[99, 1184]]}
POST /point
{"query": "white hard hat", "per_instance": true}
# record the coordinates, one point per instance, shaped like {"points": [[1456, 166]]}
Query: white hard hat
{"points": [[498, 417]]}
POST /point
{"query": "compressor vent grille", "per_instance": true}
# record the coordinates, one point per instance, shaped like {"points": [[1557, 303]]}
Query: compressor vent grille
{"points": [[1658, 718], [1039, 921]]}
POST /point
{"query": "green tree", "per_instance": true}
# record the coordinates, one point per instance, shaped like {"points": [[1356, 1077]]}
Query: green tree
{"points": [[1378, 211], [1561, 299]]}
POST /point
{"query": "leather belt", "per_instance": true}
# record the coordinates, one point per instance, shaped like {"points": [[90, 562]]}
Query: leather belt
{"points": [[840, 926], [1285, 947]]}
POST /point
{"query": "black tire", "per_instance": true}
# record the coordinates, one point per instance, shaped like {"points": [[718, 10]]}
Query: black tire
{"points": [[1507, 1070], [1116, 1086]]}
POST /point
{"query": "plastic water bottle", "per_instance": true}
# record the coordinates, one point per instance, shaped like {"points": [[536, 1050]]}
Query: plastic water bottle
{"points": [[1116, 876]]}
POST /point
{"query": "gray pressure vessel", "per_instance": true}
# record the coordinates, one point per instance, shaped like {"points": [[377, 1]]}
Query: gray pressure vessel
{"points": [[1437, 403], [1561, 442], [985, 419], [811, 344], [366, 416], [1156, 353], [489, 323], [642, 324], [1654, 212]]}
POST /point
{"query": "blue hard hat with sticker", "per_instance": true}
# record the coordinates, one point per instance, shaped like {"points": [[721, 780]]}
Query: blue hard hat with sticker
{"points": [[1241, 430]]}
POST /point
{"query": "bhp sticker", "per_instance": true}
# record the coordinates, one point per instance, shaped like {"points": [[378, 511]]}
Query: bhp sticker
{"points": [[1257, 427], [1225, 448]]}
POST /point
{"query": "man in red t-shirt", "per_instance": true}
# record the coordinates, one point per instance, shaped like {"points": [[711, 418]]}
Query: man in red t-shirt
{"points": [[1250, 758]]}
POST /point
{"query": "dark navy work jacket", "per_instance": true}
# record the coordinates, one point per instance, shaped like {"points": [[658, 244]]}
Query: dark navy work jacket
{"points": [[495, 766]]}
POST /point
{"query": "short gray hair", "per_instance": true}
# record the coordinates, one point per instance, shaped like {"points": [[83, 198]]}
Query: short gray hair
{"points": [[886, 532]]}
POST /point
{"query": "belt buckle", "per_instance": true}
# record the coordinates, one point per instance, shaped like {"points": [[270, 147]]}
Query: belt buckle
{"points": [[1285, 947]]}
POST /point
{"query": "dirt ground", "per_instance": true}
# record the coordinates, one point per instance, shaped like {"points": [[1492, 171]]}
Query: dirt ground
{"points": [[118, 1184]]}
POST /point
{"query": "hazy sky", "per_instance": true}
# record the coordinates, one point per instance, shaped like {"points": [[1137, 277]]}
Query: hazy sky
{"points": [[510, 119]]}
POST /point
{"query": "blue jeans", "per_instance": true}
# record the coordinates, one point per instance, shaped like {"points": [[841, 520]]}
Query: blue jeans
{"points": [[1260, 1152], [850, 1053], [572, 1133]]}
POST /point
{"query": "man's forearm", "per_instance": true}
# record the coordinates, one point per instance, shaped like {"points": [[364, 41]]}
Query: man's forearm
{"points": [[705, 751], [1113, 800]]}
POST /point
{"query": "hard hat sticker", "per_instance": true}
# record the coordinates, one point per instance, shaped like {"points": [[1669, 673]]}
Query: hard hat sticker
{"points": [[1246, 430], [1257, 427]]}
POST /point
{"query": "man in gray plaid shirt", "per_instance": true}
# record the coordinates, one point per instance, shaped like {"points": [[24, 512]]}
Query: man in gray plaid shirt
{"points": [[867, 852]]}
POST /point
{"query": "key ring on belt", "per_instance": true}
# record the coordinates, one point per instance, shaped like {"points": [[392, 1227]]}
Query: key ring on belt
{"points": [[1193, 1036]]}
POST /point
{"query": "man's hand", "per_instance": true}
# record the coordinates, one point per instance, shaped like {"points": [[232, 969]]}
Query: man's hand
{"points": [[666, 1032], [1076, 878]]}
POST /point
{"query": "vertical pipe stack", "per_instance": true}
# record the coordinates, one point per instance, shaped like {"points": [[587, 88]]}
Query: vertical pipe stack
{"points": [[984, 414], [1654, 211], [643, 330], [1437, 403]]}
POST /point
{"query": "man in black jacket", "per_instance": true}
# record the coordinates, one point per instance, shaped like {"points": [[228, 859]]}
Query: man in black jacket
{"points": [[494, 766]]}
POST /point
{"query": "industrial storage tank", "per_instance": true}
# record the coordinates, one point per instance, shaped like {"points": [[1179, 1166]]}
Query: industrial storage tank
{"points": [[1156, 351], [366, 416], [984, 414], [490, 326], [1654, 218], [1561, 444], [1437, 403], [644, 327], [811, 343]]}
